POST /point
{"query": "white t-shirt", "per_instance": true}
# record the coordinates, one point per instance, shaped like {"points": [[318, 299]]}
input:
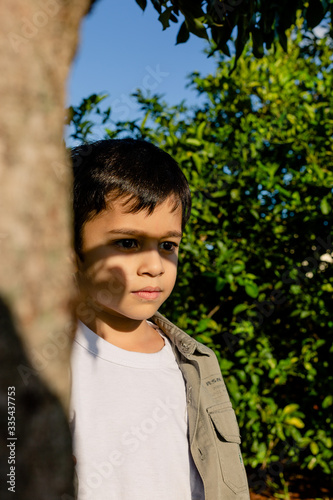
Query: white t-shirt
{"points": [[129, 423]]}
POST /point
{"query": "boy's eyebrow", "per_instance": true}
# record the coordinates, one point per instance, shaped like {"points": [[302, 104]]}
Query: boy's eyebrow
{"points": [[135, 232]]}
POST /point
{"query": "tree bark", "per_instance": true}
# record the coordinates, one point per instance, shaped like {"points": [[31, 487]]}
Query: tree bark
{"points": [[38, 42], [37, 45]]}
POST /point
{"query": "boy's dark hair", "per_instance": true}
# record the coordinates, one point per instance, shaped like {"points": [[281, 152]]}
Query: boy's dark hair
{"points": [[135, 170]]}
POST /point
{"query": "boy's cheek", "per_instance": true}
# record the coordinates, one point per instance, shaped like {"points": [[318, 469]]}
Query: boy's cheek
{"points": [[104, 297], [105, 287]]}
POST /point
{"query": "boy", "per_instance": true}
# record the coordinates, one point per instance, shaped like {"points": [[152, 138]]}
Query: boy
{"points": [[151, 417]]}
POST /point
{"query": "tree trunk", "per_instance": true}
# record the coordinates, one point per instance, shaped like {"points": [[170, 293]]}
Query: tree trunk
{"points": [[38, 42]]}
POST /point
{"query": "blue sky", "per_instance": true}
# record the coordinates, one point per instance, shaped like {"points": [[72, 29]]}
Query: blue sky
{"points": [[123, 48]]}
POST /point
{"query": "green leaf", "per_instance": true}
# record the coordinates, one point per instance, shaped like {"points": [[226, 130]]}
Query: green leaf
{"points": [[164, 17], [202, 325], [314, 448], [183, 34], [142, 3], [193, 142], [203, 339], [290, 409], [255, 214], [242, 37], [238, 267], [220, 283], [295, 421], [240, 308], [235, 194], [328, 401], [196, 27], [279, 432], [200, 130], [252, 290], [197, 161], [255, 379], [291, 118], [157, 5], [284, 191], [325, 207]]}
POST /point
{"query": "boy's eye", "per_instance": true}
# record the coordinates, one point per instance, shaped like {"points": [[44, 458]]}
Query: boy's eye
{"points": [[132, 244], [169, 246], [127, 243]]}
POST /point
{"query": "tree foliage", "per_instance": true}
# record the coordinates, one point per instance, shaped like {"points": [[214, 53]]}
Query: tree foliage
{"points": [[256, 276], [264, 22]]}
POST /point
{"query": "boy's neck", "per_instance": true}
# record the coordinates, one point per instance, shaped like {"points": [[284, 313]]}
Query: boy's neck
{"points": [[126, 333]]}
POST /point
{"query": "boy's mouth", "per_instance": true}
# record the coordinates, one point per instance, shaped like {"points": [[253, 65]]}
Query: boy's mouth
{"points": [[148, 293]]}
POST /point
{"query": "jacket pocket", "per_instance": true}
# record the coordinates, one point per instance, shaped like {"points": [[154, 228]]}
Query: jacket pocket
{"points": [[227, 440]]}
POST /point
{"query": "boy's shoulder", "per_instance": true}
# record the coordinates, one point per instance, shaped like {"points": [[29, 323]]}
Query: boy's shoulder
{"points": [[186, 344], [207, 369]]}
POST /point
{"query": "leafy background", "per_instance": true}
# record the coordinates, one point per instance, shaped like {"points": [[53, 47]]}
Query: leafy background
{"points": [[256, 277]]}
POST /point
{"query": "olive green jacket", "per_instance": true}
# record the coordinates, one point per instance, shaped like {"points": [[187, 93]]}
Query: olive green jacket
{"points": [[213, 430]]}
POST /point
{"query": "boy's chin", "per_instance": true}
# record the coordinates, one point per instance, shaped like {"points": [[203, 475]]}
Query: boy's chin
{"points": [[143, 316], [131, 315]]}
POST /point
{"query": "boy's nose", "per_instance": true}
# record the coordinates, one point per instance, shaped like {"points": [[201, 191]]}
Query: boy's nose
{"points": [[151, 263]]}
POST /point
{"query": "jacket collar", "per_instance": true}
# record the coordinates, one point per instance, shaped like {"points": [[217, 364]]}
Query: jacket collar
{"points": [[184, 343]]}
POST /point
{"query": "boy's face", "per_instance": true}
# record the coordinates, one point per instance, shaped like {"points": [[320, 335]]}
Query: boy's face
{"points": [[130, 261]]}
